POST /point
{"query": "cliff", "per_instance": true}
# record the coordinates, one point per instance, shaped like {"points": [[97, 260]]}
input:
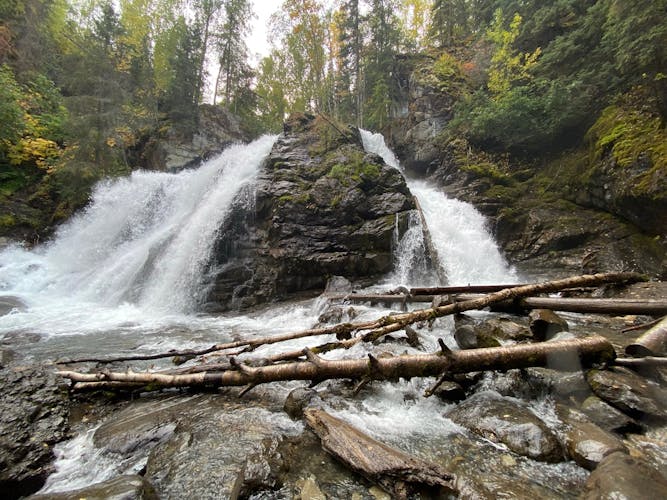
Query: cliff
{"points": [[323, 207], [598, 206]]}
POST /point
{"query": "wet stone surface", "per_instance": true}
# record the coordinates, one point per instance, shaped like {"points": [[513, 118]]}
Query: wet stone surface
{"points": [[34, 412], [505, 421]]}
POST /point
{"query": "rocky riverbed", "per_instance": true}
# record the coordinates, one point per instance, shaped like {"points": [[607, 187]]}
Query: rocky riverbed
{"points": [[531, 433]]}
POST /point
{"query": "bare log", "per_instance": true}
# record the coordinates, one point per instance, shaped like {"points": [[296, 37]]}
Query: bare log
{"points": [[652, 343], [373, 298], [646, 362], [399, 474], [583, 305], [397, 322], [574, 351], [392, 323], [447, 290]]}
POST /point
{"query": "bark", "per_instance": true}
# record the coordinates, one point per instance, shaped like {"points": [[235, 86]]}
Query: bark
{"points": [[399, 474], [393, 323], [645, 362], [652, 343], [446, 290], [564, 354]]}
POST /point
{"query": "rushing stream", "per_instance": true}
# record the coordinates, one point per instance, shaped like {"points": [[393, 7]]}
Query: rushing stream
{"points": [[122, 277]]}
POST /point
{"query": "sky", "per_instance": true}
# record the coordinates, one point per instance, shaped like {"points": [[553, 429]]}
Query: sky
{"points": [[257, 42]]}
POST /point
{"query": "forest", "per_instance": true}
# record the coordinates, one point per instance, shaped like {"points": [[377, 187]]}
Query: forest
{"points": [[85, 84]]}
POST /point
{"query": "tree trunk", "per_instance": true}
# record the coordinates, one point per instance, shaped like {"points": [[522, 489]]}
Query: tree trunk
{"points": [[388, 324], [652, 343], [399, 474], [564, 355]]}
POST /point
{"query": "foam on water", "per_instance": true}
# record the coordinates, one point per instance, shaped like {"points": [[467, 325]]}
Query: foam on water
{"points": [[465, 248]]}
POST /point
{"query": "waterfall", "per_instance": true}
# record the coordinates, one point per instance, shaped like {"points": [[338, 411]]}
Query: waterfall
{"points": [[465, 249], [144, 241]]}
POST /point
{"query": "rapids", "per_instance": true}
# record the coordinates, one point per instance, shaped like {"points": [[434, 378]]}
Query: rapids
{"points": [[123, 278]]}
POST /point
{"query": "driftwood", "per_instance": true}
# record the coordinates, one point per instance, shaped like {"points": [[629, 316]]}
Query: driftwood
{"points": [[645, 362], [390, 323], [564, 355], [398, 473], [569, 304], [448, 290], [652, 343]]}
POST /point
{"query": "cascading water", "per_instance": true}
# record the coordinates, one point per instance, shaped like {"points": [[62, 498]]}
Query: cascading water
{"points": [[139, 250], [465, 249], [122, 277]]}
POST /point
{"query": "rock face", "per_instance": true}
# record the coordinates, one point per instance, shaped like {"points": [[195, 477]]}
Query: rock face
{"points": [[34, 411], [579, 214], [323, 207], [217, 129]]}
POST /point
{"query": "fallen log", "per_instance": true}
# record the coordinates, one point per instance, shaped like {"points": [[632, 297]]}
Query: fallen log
{"points": [[447, 290], [399, 474], [652, 343], [645, 362], [648, 307], [563, 355], [393, 323]]}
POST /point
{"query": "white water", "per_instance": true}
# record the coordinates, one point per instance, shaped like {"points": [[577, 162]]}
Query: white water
{"points": [[465, 248], [135, 255], [122, 278]]}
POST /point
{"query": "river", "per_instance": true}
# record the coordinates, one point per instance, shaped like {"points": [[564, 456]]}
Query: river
{"points": [[123, 277]]}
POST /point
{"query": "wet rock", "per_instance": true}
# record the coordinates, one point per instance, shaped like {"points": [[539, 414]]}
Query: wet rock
{"points": [[630, 393], [131, 487], [309, 490], [141, 426], [562, 384], [465, 337], [469, 337], [586, 443], [300, 399], [261, 471], [450, 391], [505, 329], [546, 324], [505, 421], [34, 411], [220, 447], [9, 304], [622, 476], [607, 417], [323, 207]]}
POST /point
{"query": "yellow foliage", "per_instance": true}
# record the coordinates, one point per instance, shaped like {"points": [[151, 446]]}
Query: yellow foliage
{"points": [[42, 152]]}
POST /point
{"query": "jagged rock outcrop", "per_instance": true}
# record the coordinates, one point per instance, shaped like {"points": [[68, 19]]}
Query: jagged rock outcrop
{"points": [[173, 151], [34, 413], [323, 207], [581, 212]]}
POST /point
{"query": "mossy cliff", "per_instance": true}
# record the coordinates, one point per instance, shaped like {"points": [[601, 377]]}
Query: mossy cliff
{"points": [[597, 205], [323, 207]]}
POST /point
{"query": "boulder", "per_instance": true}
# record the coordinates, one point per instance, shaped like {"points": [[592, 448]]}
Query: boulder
{"points": [[622, 476], [503, 420], [607, 417], [630, 393], [324, 207], [130, 487], [34, 413], [586, 443], [546, 324]]}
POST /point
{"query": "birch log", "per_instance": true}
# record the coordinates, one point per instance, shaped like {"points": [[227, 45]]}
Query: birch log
{"points": [[563, 354]]}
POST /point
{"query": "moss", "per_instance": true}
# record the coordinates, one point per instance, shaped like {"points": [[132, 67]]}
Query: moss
{"points": [[488, 170], [7, 220], [636, 140]]}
